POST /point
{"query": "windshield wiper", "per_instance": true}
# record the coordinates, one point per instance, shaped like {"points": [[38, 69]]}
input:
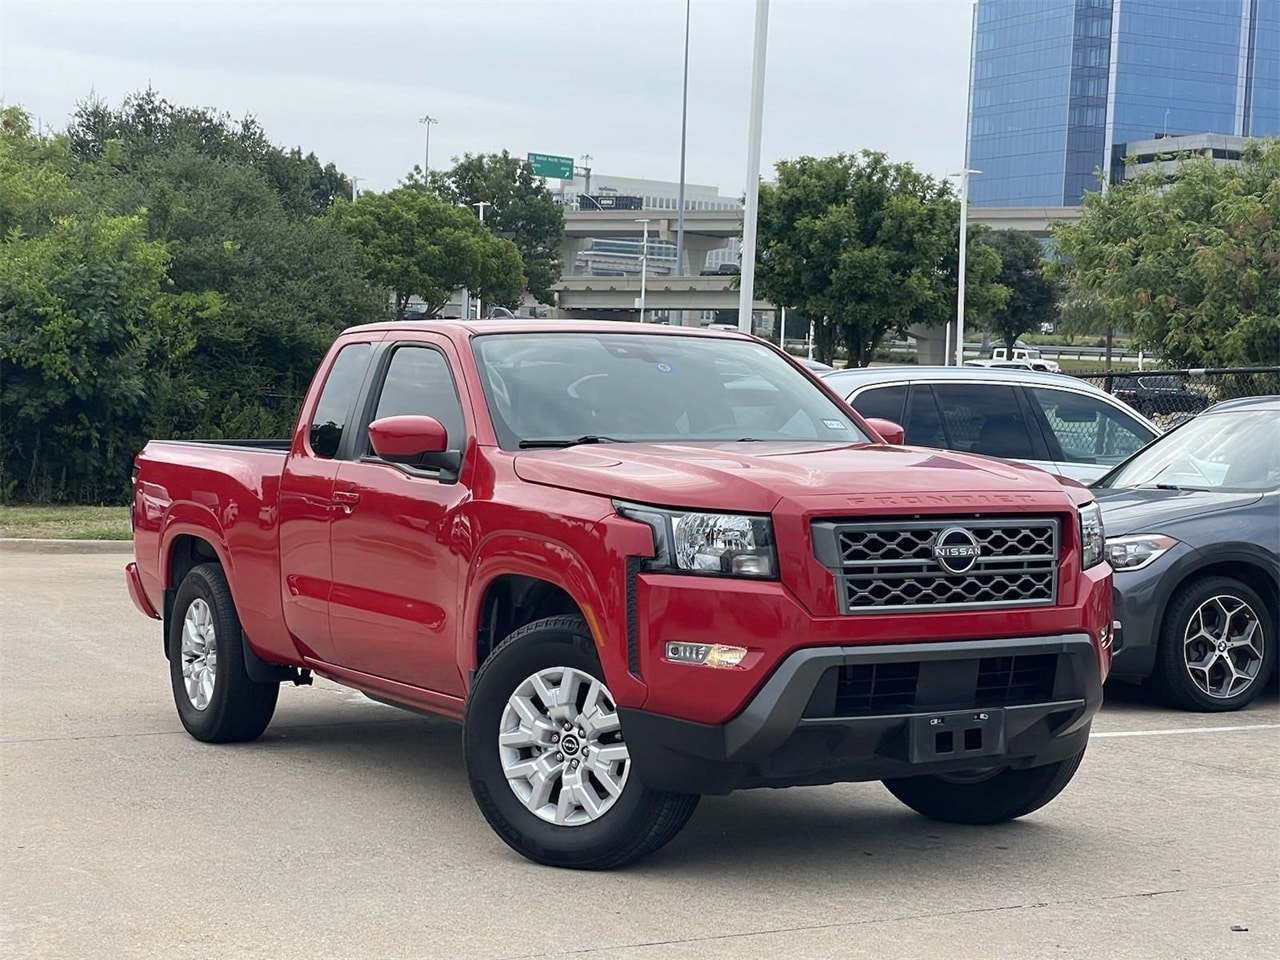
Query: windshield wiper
{"points": [[550, 443]]}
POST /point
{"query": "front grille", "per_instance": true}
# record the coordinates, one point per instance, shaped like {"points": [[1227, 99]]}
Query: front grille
{"points": [[872, 689], [915, 564]]}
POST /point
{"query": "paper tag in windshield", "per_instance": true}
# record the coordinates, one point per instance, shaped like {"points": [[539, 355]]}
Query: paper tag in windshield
{"points": [[834, 425]]}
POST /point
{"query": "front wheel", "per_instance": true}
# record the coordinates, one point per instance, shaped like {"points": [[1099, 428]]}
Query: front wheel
{"points": [[1216, 649], [988, 796], [216, 700], [547, 760]]}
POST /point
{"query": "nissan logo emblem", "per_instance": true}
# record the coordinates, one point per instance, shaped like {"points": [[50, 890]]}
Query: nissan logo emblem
{"points": [[956, 550]]}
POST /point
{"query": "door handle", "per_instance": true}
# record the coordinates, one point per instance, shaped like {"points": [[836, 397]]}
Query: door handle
{"points": [[346, 499]]}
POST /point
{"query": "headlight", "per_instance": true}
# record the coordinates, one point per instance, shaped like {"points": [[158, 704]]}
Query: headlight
{"points": [[1138, 550], [1092, 538], [729, 544]]}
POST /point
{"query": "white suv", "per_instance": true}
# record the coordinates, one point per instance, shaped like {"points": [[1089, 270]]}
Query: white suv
{"points": [[1029, 355]]}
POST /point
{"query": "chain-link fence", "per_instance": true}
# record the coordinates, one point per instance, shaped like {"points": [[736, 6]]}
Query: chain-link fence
{"points": [[1170, 396]]}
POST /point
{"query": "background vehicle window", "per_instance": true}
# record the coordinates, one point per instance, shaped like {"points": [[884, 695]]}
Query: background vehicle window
{"points": [[1232, 450], [1089, 430], [337, 399], [884, 402], [985, 418], [924, 423], [418, 382]]}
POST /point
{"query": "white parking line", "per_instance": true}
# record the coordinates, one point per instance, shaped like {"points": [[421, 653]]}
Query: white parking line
{"points": [[1169, 733]]}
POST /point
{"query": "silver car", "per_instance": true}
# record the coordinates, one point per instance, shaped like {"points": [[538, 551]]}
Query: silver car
{"points": [[1060, 424]]}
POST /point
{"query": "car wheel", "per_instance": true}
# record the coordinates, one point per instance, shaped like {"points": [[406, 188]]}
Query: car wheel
{"points": [[547, 759], [994, 795], [1216, 646], [216, 700]]}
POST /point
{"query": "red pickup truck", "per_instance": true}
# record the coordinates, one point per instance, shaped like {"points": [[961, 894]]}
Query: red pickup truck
{"points": [[640, 564]]}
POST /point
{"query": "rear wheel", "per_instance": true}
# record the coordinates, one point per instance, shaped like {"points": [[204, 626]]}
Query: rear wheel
{"points": [[216, 700], [994, 795], [547, 759], [1216, 647]]}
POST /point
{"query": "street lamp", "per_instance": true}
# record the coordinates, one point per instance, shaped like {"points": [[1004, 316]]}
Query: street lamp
{"points": [[684, 129], [964, 236], [426, 152], [644, 262], [746, 295], [480, 205]]}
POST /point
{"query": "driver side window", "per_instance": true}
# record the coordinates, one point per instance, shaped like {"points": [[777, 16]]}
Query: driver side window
{"points": [[418, 381]]}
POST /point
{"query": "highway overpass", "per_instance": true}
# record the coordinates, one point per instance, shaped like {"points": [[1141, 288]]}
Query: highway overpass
{"points": [[704, 231], [583, 296]]}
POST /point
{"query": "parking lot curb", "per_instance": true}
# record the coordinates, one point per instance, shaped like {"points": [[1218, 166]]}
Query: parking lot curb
{"points": [[17, 545]]}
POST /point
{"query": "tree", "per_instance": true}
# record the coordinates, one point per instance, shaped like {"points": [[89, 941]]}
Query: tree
{"points": [[1189, 262], [88, 339], [863, 246], [520, 208], [162, 274], [146, 126], [417, 244], [1032, 298]]}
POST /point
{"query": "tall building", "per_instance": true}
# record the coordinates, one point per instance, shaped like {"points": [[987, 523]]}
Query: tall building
{"points": [[1060, 87]]}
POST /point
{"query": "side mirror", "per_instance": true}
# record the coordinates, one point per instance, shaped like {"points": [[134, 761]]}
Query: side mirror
{"points": [[892, 433], [412, 440]]}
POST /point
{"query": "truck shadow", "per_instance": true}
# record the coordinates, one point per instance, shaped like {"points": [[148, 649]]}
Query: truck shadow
{"points": [[857, 830], [854, 829]]}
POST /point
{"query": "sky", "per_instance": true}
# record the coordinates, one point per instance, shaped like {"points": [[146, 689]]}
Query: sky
{"points": [[348, 80]]}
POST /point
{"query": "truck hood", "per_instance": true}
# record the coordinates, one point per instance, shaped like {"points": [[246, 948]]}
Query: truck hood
{"points": [[754, 477], [1145, 510]]}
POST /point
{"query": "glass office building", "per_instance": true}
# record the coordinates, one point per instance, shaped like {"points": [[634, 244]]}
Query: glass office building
{"points": [[1059, 86]]}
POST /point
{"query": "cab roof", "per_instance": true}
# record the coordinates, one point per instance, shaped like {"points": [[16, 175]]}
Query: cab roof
{"points": [[468, 328]]}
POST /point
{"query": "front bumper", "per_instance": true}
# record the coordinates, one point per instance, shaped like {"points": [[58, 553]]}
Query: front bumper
{"points": [[835, 714]]}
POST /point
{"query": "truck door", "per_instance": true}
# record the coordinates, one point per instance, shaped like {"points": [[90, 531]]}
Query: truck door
{"points": [[397, 540], [306, 498]]}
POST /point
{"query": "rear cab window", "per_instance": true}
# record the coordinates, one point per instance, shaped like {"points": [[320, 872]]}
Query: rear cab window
{"points": [[336, 405]]}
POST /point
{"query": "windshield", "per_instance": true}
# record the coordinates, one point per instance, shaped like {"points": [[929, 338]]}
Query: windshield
{"points": [[1235, 450], [600, 387]]}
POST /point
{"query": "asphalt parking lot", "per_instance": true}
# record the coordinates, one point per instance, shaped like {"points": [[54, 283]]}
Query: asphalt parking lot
{"points": [[348, 831]]}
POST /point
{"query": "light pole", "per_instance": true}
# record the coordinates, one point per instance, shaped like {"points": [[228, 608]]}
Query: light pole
{"points": [[426, 152], [480, 205], [684, 131], [644, 262], [586, 170], [746, 295], [964, 236]]}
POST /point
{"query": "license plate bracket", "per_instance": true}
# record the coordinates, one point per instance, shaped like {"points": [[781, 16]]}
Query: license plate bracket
{"points": [[957, 735]]}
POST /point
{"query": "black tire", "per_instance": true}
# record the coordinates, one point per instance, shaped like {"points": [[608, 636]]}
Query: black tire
{"points": [[1001, 797], [640, 821], [238, 708], [1172, 677]]}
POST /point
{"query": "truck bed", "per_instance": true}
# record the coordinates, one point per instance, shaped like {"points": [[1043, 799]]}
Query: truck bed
{"points": [[227, 488]]}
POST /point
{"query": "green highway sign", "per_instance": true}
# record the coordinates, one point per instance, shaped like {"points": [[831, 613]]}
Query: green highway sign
{"points": [[545, 165]]}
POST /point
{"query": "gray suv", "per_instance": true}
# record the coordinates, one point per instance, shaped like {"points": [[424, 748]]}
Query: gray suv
{"points": [[1058, 423], [1193, 534]]}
